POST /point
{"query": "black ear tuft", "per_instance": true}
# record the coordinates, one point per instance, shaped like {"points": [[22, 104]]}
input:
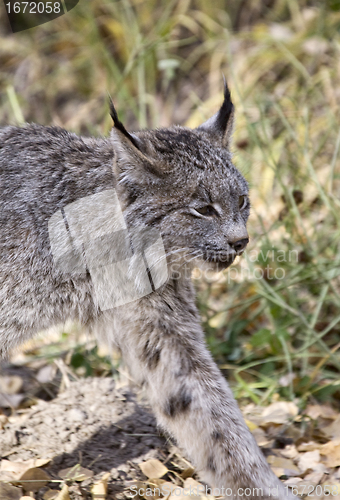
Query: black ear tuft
{"points": [[119, 126], [226, 111], [220, 126]]}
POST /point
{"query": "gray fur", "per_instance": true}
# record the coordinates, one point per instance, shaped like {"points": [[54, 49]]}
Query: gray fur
{"points": [[162, 178]]}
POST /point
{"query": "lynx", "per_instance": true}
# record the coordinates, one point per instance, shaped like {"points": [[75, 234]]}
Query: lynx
{"points": [[181, 185]]}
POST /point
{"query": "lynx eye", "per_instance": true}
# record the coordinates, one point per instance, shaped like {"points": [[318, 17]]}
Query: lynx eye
{"points": [[242, 202], [208, 210]]}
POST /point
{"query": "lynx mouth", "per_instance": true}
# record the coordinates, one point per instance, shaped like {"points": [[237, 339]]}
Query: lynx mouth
{"points": [[218, 261]]}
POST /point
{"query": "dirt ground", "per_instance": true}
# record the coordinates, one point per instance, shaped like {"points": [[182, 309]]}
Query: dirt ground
{"points": [[109, 431], [92, 424]]}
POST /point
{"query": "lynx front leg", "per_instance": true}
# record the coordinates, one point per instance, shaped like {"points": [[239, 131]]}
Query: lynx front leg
{"points": [[165, 347]]}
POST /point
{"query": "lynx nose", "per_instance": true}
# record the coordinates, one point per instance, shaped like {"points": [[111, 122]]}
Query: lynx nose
{"points": [[239, 245]]}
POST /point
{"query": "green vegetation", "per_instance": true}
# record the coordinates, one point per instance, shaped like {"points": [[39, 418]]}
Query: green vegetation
{"points": [[162, 62]]}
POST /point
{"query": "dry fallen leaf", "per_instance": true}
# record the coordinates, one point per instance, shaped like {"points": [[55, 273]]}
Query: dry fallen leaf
{"points": [[38, 462], [99, 489], [75, 473], [260, 437], [155, 485], [195, 487], [178, 493], [290, 451], [153, 469], [147, 489], [7, 477], [188, 472], [310, 446], [331, 451], [63, 494], [251, 425], [15, 467], [285, 463], [282, 466], [304, 488], [316, 411], [332, 431], [292, 481], [11, 384], [167, 488], [310, 461], [9, 492], [21, 467], [314, 477], [279, 413], [34, 479], [51, 494]]}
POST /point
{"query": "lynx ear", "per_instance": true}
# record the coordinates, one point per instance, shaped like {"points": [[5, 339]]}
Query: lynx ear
{"points": [[220, 126], [133, 156], [119, 126]]}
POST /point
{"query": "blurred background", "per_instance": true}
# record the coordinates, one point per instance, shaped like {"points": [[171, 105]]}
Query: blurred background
{"points": [[273, 320]]}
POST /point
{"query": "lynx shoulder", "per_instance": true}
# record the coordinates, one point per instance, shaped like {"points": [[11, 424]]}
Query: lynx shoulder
{"points": [[105, 232]]}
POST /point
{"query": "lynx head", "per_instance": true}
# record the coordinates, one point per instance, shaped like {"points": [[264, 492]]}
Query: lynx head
{"points": [[183, 183]]}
